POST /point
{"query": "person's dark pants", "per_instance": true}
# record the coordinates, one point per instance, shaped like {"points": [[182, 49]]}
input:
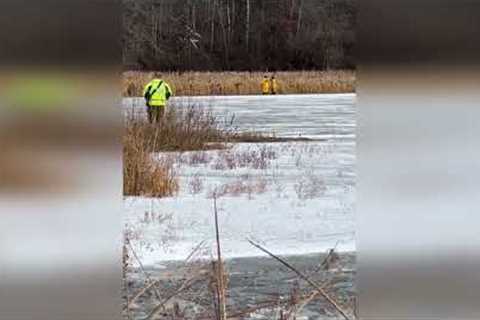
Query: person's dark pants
{"points": [[155, 113]]}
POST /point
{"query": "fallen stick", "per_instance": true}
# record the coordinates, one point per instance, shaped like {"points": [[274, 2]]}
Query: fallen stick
{"points": [[306, 300], [314, 293], [261, 305], [127, 302], [268, 304], [153, 284], [195, 250], [185, 285], [258, 306], [214, 290], [157, 294], [141, 292], [220, 284], [236, 314], [325, 261], [304, 277]]}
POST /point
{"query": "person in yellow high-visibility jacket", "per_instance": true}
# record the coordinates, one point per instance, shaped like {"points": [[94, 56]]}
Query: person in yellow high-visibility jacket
{"points": [[265, 85], [273, 85], [156, 93]]}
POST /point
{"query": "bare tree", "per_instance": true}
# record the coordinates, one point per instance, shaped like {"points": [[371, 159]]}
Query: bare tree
{"points": [[247, 23], [238, 35]]}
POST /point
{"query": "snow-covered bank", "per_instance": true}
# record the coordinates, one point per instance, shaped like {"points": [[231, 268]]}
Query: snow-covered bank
{"points": [[294, 197]]}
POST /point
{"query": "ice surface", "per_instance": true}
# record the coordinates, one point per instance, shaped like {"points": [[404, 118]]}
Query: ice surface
{"points": [[328, 116], [293, 197]]}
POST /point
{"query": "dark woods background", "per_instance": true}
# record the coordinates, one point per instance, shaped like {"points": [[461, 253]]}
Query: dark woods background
{"points": [[239, 34]]}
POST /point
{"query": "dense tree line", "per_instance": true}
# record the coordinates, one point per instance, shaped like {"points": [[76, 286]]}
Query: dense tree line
{"points": [[239, 34]]}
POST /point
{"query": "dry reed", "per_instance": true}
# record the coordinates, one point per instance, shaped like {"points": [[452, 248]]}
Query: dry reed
{"points": [[143, 175], [241, 83], [181, 129], [189, 128]]}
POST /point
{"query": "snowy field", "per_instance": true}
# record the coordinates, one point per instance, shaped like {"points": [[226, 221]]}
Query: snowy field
{"points": [[293, 197]]}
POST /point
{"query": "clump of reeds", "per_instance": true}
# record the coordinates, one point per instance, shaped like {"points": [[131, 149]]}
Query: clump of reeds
{"points": [[195, 184], [186, 129], [256, 158], [142, 174], [239, 187], [182, 128], [241, 83], [192, 128]]}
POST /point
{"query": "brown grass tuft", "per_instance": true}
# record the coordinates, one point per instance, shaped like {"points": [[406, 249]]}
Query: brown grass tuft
{"points": [[189, 128], [182, 129], [239, 187], [142, 174]]}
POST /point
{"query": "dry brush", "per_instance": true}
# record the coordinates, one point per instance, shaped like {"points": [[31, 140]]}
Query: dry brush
{"points": [[241, 83]]}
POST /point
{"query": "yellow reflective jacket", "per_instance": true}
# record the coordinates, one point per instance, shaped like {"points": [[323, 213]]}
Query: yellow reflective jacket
{"points": [[274, 85], [265, 86], [157, 92]]}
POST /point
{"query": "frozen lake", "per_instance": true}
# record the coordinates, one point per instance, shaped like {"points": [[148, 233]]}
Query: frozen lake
{"points": [[293, 197], [316, 115]]}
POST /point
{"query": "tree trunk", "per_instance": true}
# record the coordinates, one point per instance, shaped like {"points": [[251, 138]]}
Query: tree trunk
{"points": [[247, 29], [194, 15], [212, 30], [299, 18], [229, 23], [292, 7], [233, 16], [224, 35]]}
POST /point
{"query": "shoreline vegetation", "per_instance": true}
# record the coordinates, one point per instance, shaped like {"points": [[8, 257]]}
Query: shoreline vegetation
{"points": [[241, 83], [245, 277], [181, 130]]}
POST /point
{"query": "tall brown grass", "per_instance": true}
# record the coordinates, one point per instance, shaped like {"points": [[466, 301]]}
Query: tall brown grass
{"points": [[233, 83], [186, 129], [142, 174], [189, 128], [181, 129]]}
